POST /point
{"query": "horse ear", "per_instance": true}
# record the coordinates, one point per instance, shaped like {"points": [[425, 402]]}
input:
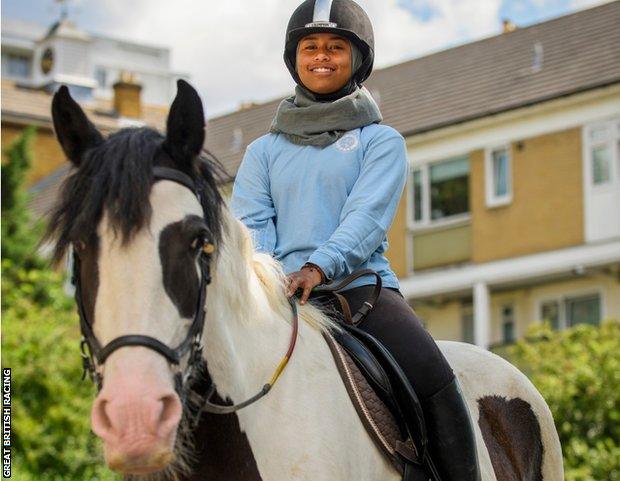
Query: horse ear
{"points": [[74, 131], [185, 132]]}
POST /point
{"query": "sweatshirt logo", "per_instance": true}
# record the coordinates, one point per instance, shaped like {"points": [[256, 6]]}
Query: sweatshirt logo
{"points": [[348, 142]]}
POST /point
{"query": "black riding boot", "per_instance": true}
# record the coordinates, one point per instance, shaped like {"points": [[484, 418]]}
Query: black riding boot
{"points": [[452, 443]]}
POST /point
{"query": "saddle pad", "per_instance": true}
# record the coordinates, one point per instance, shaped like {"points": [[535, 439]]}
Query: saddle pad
{"points": [[374, 414]]}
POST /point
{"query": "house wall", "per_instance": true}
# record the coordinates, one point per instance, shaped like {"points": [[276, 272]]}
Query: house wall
{"points": [[546, 212], [47, 154], [397, 240], [443, 318]]}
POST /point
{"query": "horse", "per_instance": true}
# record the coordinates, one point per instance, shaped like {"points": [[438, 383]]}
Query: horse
{"points": [[160, 261]]}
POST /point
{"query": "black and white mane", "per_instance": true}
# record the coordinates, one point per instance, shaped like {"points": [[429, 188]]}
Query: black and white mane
{"points": [[116, 176]]}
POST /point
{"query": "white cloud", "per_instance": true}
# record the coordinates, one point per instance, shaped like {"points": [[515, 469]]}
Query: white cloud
{"points": [[581, 4], [233, 49]]}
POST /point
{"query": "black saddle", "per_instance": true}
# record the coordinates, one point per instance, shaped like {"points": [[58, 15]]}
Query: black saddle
{"points": [[385, 377]]}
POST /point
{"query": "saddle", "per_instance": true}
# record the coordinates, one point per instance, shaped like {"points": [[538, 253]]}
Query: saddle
{"points": [[382, 395]]}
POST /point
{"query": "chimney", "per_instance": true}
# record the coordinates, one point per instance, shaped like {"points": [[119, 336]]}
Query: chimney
{"points": [[127, 101], [508, 26]]}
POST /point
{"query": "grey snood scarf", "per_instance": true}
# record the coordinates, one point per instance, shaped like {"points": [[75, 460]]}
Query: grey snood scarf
{"points": [[307, 121]]}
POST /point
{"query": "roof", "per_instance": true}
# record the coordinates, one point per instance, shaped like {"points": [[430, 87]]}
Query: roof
{"points": [[530, 65], [32, 106], [44, 193]]}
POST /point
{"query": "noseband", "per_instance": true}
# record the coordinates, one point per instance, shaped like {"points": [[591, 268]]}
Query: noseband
{"points": [[94, 354]]}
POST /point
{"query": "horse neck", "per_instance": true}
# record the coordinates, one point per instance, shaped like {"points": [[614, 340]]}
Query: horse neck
{"points": [[245, 333]]}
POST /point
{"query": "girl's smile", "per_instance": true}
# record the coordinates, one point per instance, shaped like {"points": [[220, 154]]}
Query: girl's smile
{"points": [[324, 62]]}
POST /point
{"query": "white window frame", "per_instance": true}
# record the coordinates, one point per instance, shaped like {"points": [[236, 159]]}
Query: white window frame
{"points": [[426, 223], [614, 169], [561, 300], [493, 200]]}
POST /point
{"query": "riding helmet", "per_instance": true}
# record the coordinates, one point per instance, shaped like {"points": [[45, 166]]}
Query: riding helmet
{"points": [[341, 17]]}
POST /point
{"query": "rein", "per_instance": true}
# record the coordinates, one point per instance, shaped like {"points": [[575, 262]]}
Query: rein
{"points": [[94, 354]]}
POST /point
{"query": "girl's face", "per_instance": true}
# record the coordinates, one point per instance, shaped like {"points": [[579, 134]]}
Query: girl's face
{"points": [[324, 62]]}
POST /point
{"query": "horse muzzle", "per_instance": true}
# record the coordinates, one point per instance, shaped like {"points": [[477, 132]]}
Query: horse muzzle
{"points": [[126, 464], [137, 416]]}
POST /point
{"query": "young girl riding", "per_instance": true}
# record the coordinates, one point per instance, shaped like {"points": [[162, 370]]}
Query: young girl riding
{"points": [[319, 192]]}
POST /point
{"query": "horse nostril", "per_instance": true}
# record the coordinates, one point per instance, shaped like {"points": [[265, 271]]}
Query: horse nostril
{"points": [[101, 421], [170, 413]]}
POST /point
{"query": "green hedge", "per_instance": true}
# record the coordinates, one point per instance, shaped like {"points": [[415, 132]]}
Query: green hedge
{"points": [[51, 406], [578, 373], [40, 343]]}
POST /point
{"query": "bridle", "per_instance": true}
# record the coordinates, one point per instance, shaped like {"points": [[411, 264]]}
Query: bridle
{"points": [[94, 354]]}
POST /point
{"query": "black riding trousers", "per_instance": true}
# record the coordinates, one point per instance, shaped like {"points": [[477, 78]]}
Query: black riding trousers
{"points": [[393, 322]]}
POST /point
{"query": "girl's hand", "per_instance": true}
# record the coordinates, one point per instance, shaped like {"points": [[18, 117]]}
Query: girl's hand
{"points": [[306, 278]]}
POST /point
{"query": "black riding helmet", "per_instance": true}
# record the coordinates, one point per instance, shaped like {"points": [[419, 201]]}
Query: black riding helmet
{"points": [[341, 17]]}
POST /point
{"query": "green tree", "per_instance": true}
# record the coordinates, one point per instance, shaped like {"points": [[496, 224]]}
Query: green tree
{"points": [[20, 234], [40, 338], [578, 373]]}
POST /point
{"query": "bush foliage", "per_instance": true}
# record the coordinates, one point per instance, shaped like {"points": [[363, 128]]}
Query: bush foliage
{"points": [[578, 373], [40, 343]]}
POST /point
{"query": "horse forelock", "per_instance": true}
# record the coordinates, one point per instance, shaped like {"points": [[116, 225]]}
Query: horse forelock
{"points": [[116, 177]]}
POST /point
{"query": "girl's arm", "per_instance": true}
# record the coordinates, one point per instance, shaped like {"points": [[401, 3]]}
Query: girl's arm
{"points": [[251, 201]]}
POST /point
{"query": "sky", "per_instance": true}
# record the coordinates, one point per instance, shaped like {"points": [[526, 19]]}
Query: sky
{"points": [[232, 49]]}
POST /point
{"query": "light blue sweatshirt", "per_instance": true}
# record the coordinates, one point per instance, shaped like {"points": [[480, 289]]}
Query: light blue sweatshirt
{"points": [[331, 206]]}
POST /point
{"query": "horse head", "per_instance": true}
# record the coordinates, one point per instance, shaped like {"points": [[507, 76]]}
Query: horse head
{"points": [[142, 214]]}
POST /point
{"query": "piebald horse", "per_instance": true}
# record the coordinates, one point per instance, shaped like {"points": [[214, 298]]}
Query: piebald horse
{"points": [[145, 245]]}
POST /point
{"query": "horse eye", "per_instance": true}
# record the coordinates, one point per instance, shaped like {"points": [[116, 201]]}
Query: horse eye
{"points": [[197, 243], [79, 246]]}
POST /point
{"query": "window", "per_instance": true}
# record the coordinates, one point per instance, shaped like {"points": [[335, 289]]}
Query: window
{"points": [[449, 188], [440, 190], [508, 324], [417, 195], [17, 65], [583, 310], [604, 145], [498, 176], [550, 312], [570, 311], [101, 76]]}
